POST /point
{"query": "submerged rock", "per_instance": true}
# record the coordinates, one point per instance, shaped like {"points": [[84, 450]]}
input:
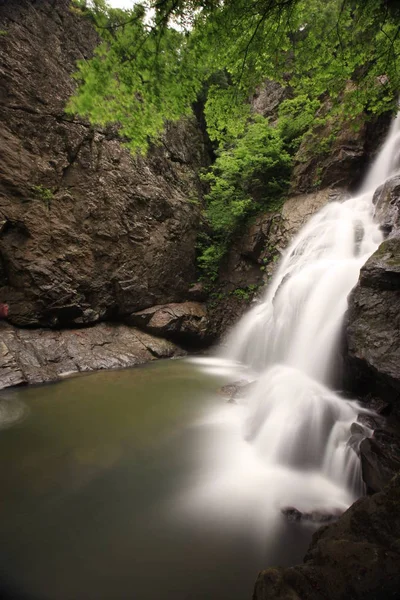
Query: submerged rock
{"points": [[238, 389], [37, 355]]}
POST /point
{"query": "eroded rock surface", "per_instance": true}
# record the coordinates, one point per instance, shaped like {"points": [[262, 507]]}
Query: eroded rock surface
{"points": [[87, 232], [36, 356]]}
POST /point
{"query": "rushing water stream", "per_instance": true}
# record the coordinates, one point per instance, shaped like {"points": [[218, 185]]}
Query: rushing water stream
{"points": [[146, 484]]}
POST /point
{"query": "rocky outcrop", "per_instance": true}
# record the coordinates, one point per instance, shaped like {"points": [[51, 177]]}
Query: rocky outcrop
{"points": [[380, 458], [37, 356], [87, 232], [373, 326], [185, 323], [253, 257], [345, 150], [387, 205], [356, 558]]}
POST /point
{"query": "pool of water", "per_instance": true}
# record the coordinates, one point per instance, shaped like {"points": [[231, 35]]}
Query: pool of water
{"points": [[101, 478]]}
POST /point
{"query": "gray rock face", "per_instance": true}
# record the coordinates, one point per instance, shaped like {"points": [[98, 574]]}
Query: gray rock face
{"points": [[87, 232], [185, 323], [37, 356], [356, 558], [266, 100]]}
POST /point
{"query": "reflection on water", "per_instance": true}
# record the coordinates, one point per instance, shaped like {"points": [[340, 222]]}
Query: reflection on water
{"points": [[102, 492]]}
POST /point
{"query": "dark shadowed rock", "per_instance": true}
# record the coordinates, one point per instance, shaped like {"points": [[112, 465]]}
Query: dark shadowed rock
{"points": [[186, 322], [380, 458], [373, 326], [355, 558], [38, 355], [87, 232]]}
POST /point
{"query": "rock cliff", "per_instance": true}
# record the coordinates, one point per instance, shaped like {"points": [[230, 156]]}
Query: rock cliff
{"points": [[87, 232]]}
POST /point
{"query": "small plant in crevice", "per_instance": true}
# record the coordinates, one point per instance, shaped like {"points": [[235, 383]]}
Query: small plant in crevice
{"points": [[44, 194], [245, 293]]}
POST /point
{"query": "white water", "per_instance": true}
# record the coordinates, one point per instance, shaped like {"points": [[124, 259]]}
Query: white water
{"points": [[287, 444]]}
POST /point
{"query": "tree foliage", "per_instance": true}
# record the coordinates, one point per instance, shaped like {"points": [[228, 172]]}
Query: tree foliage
{"points": [[250, 174], [151, 69]]}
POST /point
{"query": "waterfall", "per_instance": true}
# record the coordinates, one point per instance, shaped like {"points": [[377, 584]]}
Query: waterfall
{"points": [[288, 443], [291, 338]]}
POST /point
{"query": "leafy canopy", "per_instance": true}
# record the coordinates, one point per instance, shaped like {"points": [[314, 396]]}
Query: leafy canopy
{"points": [[149, 69]]}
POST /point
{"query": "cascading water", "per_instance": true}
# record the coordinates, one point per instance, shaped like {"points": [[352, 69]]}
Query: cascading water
{"points": [[291, 338], [297, 428]]}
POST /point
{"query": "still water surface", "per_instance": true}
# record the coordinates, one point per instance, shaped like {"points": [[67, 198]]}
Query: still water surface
{"points": [[93, 486]]}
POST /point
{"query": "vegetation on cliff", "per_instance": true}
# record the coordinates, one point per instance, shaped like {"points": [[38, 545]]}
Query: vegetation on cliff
{"points": [[337, 59]]}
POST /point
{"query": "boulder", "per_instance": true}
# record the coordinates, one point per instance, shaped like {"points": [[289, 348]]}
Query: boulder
{"points": [[373, 326], [387, 205], [185, 322]]}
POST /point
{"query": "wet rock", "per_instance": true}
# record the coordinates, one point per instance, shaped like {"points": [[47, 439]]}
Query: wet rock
{"points": [[372, 422], [238, 389], [356, 558], [36, 356], [387, 204], [87, 232], [377, 405], [185, 322], [380, 458], [357, 429], [294, 515], [372, 358]]}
